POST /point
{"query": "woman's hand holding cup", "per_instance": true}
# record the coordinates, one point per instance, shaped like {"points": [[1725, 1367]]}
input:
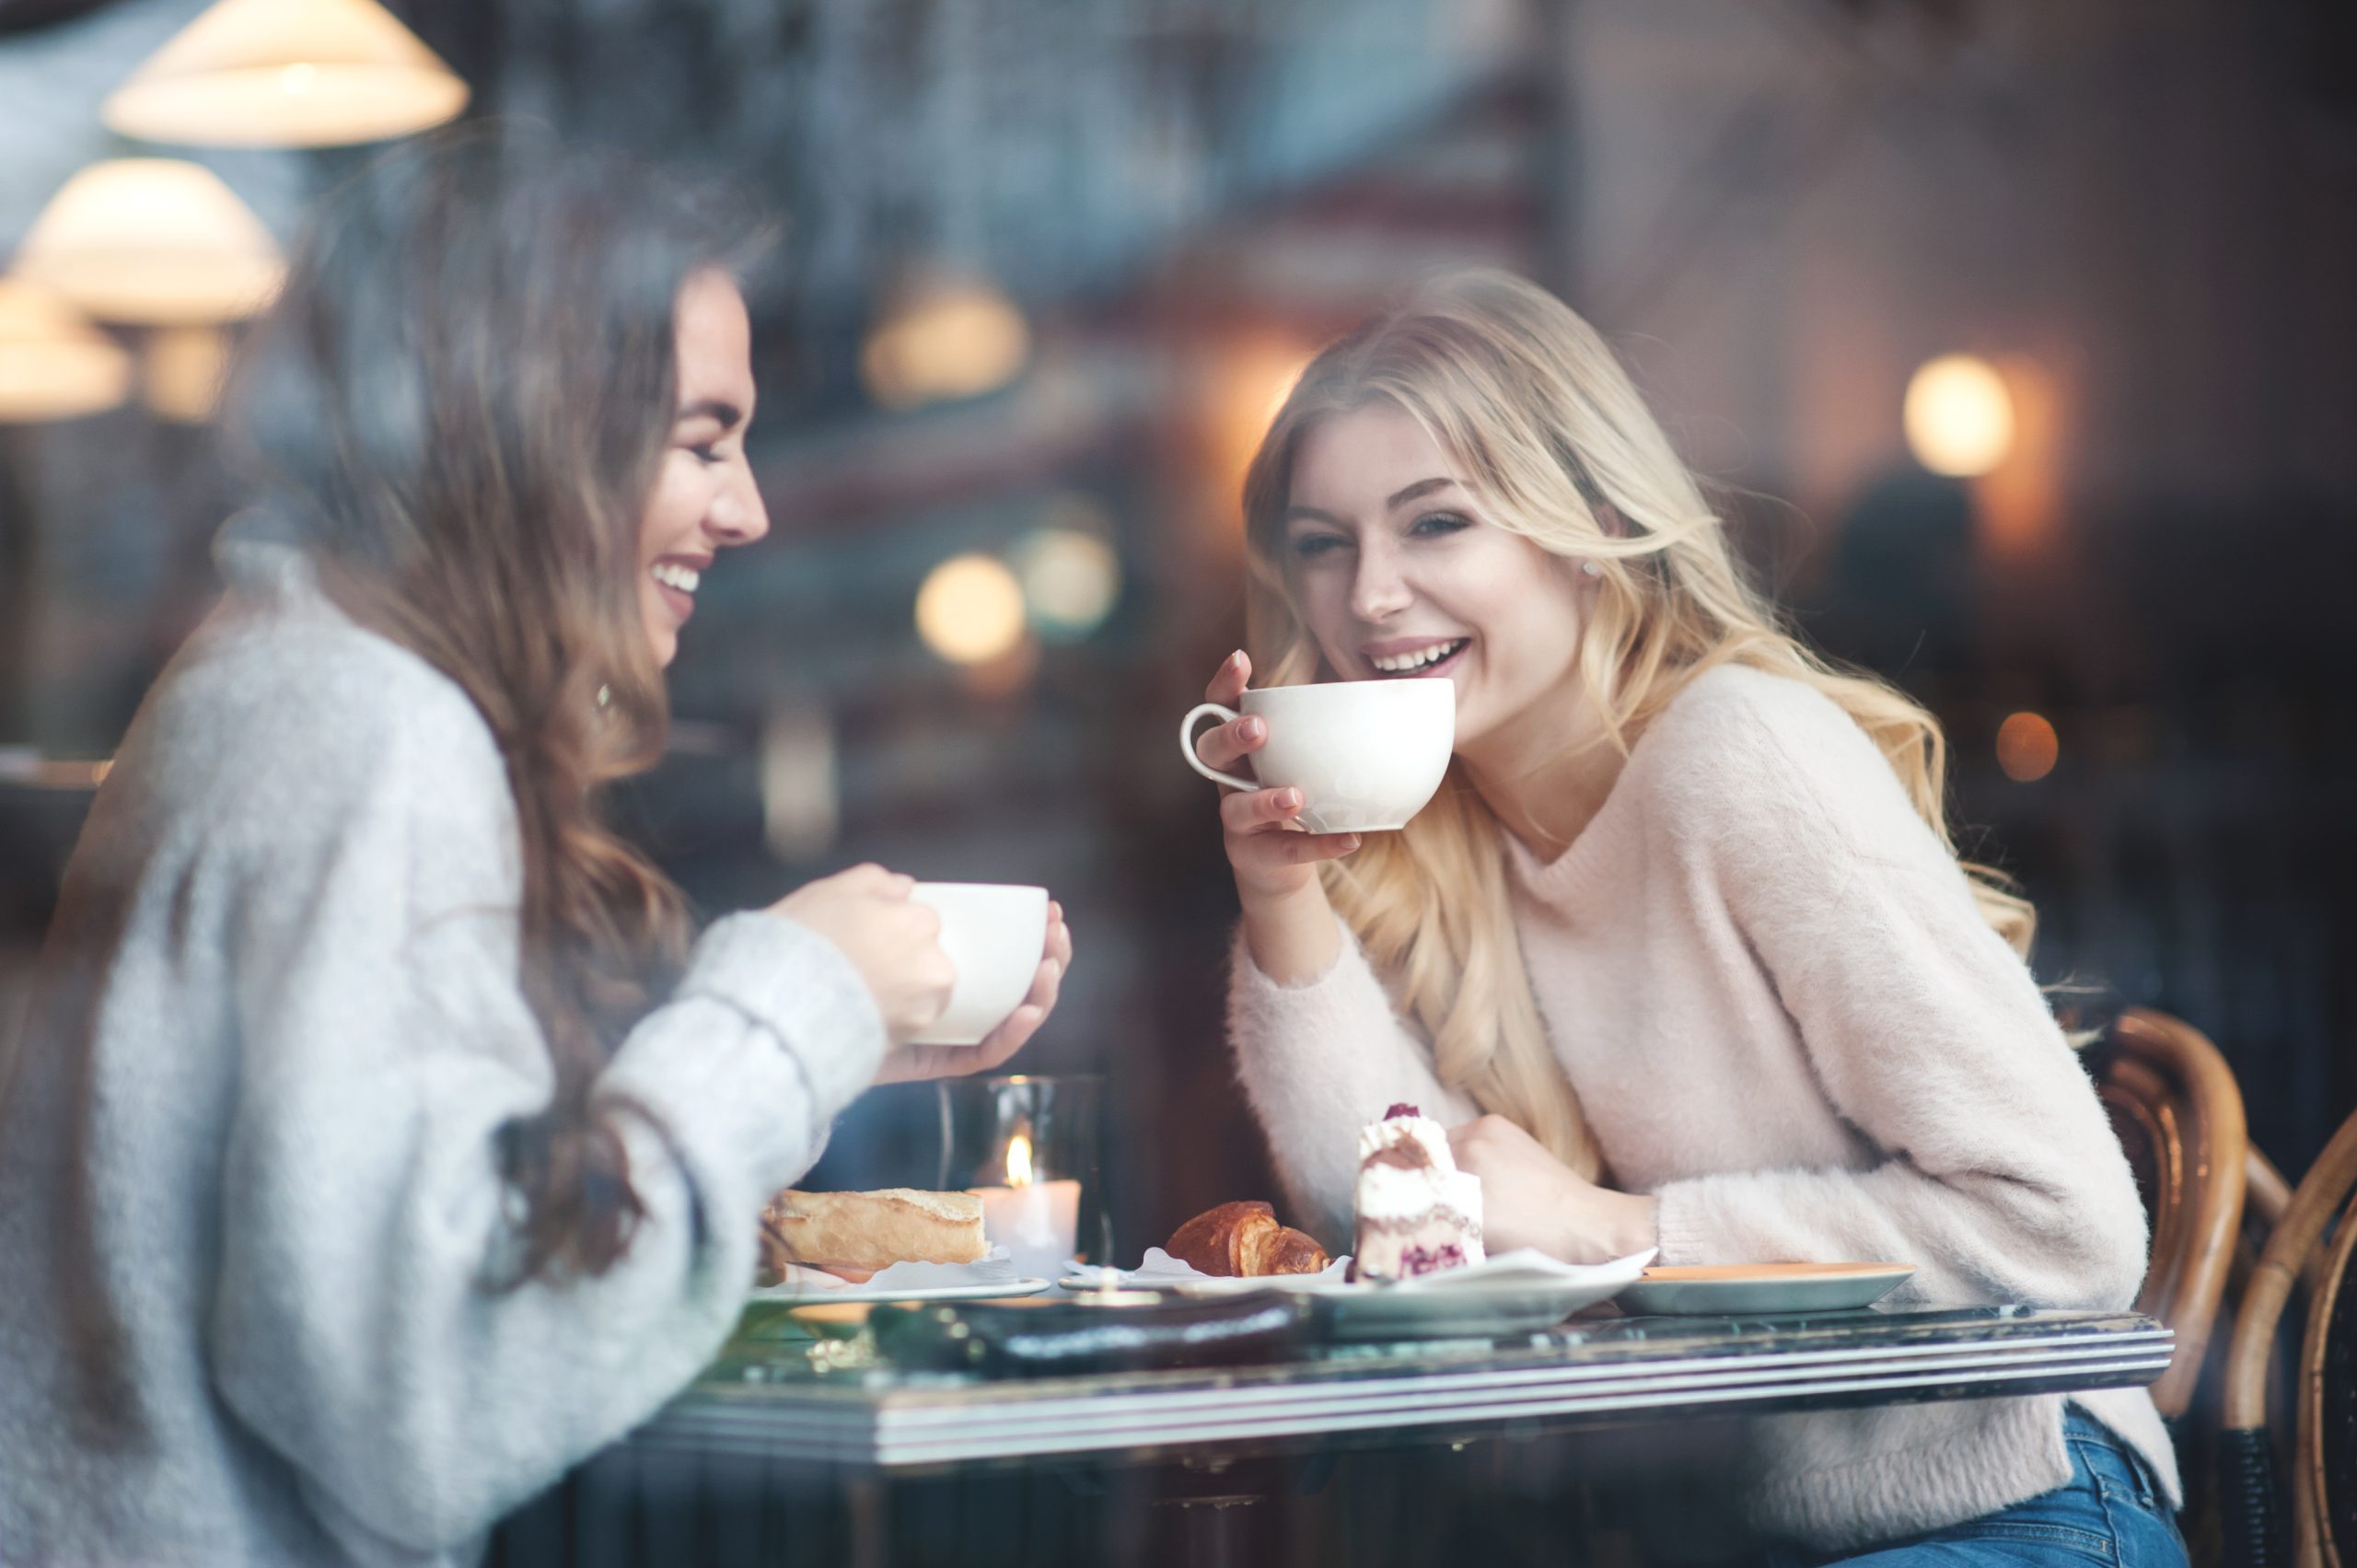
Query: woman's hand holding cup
{"points": [[890, 928], [1273, 855], [893, 942], [909, 1062]]}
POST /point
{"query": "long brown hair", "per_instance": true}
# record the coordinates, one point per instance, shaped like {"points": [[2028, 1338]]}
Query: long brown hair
{"points": [[457, 407]]}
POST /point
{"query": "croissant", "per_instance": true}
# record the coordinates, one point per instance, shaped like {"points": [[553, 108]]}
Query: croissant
{"points": [[1244, 1238]]}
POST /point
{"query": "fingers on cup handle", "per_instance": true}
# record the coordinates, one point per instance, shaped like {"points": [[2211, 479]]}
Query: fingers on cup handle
{"points": [[1257, 810], [1192, 747], [1223, 746]]}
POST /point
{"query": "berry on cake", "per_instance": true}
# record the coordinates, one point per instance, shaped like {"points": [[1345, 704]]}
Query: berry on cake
{"points": [[1417, 1213]]}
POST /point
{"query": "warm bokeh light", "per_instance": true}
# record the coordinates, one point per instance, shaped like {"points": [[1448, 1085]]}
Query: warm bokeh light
{"points": [[53, 364], [23, 765], [153, 242], [2026, 746], [1071, 578], [287, 74], [946, 340], [801, 790], [2018, 506], [1959, 417], [180, 371], [970, 610], [1249, 382]]}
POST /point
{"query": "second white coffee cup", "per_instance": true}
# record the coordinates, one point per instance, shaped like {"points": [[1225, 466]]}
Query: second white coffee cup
{"points": [[995, 934], [1364, 754]]}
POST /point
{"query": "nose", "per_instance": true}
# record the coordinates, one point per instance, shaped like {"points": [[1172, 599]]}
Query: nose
{"points": [[1378, 590], [738, 514]]}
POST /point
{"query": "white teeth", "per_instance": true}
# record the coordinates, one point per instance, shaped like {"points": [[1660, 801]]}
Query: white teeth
{"points": [[684, 578], [1400, 664]]}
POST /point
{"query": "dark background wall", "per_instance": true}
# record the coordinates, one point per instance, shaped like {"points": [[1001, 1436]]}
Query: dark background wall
{"points": [[2142, 209]]}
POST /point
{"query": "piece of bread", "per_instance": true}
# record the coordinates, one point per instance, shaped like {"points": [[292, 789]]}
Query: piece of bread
{"points": [[862, 1231], [1244, 1239]]}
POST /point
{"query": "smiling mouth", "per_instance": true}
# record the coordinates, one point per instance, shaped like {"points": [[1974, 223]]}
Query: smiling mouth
{"points": [[1421, 661], [678, 585]]}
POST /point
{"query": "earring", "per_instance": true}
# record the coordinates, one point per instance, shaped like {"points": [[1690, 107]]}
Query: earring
{"points": [[1591, 569]]}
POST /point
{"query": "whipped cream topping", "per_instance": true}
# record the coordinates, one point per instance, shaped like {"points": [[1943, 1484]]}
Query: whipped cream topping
{"points": [[1421, 1131], [1392, 1188]]}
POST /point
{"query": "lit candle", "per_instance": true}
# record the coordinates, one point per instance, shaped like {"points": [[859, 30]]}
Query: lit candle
{"points": [[1037, 1222]]}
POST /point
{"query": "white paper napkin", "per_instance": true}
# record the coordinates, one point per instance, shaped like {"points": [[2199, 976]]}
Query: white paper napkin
{"points": [[1159, 1268], [993, 1267], [1528, 1266]]}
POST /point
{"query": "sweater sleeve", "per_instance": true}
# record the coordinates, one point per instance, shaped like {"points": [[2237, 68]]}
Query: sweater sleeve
{"points": [[1319, 1061], [358, 1326], [1995, 1171]]}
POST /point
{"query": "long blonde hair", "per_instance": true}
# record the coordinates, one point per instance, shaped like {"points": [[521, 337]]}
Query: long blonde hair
{"points": [[1549, 434]]}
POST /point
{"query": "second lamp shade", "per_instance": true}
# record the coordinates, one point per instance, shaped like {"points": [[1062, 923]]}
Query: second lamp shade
{"points": [[287, 74], [153, 242]]}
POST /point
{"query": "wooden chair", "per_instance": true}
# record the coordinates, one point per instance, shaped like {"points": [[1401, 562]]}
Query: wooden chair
{"points": [[2315, 1244], [2265, 1197], [2178, 1112]]}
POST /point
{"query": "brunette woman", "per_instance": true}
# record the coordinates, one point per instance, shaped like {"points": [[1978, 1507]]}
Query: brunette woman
{"points": [[381, 1141]]}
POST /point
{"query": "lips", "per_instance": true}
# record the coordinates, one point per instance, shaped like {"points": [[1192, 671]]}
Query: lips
{"points": [[675, 579]]}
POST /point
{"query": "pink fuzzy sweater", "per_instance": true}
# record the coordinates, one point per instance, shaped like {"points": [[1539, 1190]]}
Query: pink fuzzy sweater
{"points": [[1785, 1019]]}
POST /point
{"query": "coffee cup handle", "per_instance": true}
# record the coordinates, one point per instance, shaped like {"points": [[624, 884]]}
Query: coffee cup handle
{"points": [[1187, 745]]}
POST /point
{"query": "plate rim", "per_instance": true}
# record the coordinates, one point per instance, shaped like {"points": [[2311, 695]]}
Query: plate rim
{"points": [[1025, 1285], [1772, 1273], [1888, 1277]]}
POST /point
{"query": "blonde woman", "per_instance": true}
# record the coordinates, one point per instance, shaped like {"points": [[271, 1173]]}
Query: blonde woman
{"points": [[1682, 950]]}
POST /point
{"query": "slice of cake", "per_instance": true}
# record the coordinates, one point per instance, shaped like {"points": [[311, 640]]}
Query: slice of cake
{"points": [[1417, 1213]]}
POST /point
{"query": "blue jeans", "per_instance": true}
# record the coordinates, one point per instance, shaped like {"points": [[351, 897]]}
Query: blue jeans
{"points": [[2111, 1512]]}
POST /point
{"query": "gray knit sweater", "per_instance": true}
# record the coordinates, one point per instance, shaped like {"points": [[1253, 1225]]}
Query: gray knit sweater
{"points": [[248, 1190]]}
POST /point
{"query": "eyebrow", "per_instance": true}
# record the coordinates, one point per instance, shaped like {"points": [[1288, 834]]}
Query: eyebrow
{"points": [[1397, 499], [729, 416]]}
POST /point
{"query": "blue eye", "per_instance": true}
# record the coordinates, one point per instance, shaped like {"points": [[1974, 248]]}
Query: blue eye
{"points": [[1309, 546], [1433, 525]]}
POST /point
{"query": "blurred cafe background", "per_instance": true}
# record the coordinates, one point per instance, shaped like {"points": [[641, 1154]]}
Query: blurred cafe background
{"points": [[2020, 338]]}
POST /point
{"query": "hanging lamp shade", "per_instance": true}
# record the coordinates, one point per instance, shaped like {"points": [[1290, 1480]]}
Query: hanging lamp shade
{"points": [[53, 364], [153, 242], [287, 74]]}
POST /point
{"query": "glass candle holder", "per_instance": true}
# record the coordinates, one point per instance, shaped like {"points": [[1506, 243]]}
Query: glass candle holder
{"points": [[1028, 1145]]}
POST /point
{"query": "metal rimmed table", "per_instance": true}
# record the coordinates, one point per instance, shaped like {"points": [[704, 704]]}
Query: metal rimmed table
{"points": [[773, 1421], [1611, 1370]]}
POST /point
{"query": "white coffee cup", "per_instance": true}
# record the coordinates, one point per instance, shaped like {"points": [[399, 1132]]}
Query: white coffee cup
{"points": [[995, 934], [1364, 754]]}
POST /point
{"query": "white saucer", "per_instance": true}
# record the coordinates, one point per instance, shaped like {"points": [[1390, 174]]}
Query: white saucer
{"points": [[799, 1296], [1762, 1289]]}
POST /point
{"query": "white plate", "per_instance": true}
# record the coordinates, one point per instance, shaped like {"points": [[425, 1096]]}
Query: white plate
{"points": [[1763, 1290], [1522, 1292], [795, 1296]]}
